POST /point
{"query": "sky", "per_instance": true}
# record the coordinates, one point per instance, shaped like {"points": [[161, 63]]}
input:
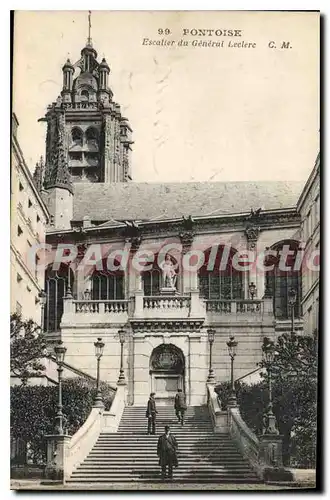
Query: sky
{"points": [[198, 113]]}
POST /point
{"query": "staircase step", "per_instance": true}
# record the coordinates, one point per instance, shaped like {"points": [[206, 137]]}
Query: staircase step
{"points": [[129, 455]]}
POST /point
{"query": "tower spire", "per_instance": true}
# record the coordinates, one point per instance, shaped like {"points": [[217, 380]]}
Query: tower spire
{"points": [[89, 39]]}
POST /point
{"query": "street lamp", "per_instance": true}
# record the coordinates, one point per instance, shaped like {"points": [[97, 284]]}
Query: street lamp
{"points": [[43, 299], [60, 351], [211, 336], [99, 346], [232, 345], [269, 352], [122, 339], [252, 290], [292, 298]]}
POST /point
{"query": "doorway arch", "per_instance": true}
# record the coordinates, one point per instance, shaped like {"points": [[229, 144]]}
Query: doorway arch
{"points": [[167, 372]]}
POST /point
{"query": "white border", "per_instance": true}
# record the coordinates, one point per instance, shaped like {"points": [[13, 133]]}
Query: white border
{"points": [[323, 6]]}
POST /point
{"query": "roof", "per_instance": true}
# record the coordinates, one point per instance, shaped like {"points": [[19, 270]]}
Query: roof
{"points": [[152, 201]]}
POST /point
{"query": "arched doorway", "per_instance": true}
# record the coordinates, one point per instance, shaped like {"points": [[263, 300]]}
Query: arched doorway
{"points": [[167, 372]]}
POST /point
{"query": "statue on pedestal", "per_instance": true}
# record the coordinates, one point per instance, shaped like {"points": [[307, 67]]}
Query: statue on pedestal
{"points": [[169, 274]]}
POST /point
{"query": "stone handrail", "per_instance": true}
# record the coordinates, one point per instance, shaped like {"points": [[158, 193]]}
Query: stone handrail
{"points": [[162, 302], [98, 420], [111, 418], [234, 306], [217, 305], [100, 306], [245, 438], [219, 418], [83, 440]]}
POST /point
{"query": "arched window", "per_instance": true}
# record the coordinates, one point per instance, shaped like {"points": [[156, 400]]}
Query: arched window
{"points": [[84, 96], [280, 280], [108, 285], [152, 281], [92, 137], [77, 137], [56, 284], [217, 277]]}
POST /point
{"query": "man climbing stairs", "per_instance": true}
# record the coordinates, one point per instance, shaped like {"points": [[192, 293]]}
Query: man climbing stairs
{"points": [[131, 454]]}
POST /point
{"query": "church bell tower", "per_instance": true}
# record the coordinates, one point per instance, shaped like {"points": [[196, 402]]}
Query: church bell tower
{"points": [[88, 139]]}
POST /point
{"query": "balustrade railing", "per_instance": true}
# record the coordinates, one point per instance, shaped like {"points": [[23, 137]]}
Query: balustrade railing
{"points": [[161, 302], [248, 306], [100, 306], [235, 306], [220, 306]]}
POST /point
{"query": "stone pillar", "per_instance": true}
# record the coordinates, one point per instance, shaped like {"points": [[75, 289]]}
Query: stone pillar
{"points": [[57, 454], [252, 231], [186, 238]]}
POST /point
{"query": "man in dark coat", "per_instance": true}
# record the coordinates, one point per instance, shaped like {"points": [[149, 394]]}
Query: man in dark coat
{"points": [[151, 414], [180, 405], [167, 452]]}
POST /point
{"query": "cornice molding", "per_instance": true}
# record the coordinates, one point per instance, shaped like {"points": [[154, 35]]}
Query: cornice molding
{"points": [[166, 324]]}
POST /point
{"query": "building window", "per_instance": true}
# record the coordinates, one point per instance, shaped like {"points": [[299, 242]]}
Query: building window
{"points": [[56, 283], [19, 278], [92, 138], [84, 95], [20, 186], [37, 260], [279, 282], [309, 224], [219, 280], [76, 137], [19, 231], [152, 281], [38, 218], [108, 286], [317, 209], [30, 203], [18, 308]]}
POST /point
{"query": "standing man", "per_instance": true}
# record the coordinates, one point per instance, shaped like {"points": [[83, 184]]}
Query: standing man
{"points": [[151, 414], [167, 452], [180, 405]]}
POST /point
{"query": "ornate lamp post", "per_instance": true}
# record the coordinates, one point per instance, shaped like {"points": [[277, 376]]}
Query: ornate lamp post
{"points": [[122, 339], [210, 336], [60, 351], [292, 298], [99, 346], [43, 299], [269, 352], [232, 345], [252, 290]]}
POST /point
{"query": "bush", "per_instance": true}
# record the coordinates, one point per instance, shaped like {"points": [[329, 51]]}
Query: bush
{"points": [[33, 410], [295, 409]]}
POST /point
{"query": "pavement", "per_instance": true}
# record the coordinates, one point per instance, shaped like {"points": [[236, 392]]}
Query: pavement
{"points": [[33, 484]]}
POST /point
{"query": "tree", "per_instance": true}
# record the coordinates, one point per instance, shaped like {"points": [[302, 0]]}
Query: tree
{"points": [[294, 376], [294, 381], [27, 348], [33, 410]]}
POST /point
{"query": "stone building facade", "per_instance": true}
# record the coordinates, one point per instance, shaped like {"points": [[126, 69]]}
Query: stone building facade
{"points": [[309, 209], [184, 258], [29, 217]]}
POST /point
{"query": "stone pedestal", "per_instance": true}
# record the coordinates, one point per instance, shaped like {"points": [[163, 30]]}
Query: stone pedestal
{"points": [[57, 453], [270, 450], [138, 309], [169, 292], [196, 306]]}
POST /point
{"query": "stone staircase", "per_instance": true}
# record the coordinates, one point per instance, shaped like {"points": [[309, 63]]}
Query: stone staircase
{"points": [[131, 454]]}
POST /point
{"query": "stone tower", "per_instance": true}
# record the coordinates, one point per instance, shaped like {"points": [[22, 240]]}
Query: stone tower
{"points": [[88, 139]]}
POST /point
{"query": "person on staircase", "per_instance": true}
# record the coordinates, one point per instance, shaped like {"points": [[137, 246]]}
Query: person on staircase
{"points": [[167, 448], [151, 414], [180, 405]]}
